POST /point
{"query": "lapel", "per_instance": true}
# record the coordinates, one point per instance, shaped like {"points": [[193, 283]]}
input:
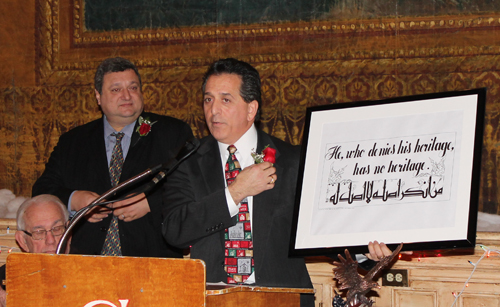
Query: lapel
{"points": [[138, 147], [210, 166], [211, 177], [263, 199], [136, 138], [97, 148], [264, 204]]}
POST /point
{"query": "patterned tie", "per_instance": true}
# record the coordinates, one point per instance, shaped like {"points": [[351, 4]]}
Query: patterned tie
{"points": [[239, 263], [112, 246]]}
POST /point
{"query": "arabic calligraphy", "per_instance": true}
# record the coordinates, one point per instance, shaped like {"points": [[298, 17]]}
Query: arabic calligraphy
{"points": [[345, 191]]}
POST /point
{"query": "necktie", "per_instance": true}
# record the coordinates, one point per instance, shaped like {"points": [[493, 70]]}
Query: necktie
{"points": [[239, 263], [112, 246]]}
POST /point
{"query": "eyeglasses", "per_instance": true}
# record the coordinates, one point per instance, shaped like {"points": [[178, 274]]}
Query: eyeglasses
{"points": [[42, 233]]}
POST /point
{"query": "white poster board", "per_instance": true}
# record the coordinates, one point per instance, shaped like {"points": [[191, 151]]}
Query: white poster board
{"points": [[404, 170]]}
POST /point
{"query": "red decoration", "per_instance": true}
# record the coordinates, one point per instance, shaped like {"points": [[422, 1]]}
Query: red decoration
{"points": [[144, 126], [269, 154], [144, 129]]}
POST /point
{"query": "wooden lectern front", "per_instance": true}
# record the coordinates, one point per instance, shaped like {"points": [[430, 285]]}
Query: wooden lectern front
{"points": [[87, 281], [231, 296]]}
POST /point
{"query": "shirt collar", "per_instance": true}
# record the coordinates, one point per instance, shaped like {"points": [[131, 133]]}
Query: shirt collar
{"points": [[245, 145], [128, 129]]}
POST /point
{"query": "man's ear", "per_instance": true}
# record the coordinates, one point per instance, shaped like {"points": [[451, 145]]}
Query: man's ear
{"points": [[253, 107], [21, 241], [98, 97]]}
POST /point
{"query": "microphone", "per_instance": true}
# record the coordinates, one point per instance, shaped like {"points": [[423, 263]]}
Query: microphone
{"points": [[164, 169]]}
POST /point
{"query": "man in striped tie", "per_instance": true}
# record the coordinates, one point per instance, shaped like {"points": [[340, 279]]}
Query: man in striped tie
{"points": [[90, 159]]}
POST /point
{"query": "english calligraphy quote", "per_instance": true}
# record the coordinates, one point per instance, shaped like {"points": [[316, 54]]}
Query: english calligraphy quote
{"points": [[393, 169], [412, 168], [392, 172]]}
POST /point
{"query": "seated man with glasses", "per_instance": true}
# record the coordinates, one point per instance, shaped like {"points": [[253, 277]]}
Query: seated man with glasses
{"points": [[41, 221]]}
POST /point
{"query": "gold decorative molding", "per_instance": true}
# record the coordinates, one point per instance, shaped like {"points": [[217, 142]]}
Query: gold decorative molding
{"points": [[273, 30], [68, 51]]}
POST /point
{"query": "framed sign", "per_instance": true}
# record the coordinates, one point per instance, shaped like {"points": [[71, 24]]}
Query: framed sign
{"points": [[402, 170]]}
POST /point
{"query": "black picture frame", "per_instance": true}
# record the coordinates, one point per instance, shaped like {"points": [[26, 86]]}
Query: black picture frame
{"points": [[400, 170]]}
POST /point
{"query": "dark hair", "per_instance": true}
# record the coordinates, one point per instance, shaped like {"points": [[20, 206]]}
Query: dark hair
{"points": [[113, 65], [250, 85]]}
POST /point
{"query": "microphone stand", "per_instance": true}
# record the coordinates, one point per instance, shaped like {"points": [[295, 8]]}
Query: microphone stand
{"points": [[190, 147]]}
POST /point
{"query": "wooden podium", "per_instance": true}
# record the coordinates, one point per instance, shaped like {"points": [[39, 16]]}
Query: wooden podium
{"points": [[87, 281]]}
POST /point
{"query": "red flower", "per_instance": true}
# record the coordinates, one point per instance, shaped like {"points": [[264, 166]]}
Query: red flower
{"points": [[269, 154], [144, 129], [144, 126]]}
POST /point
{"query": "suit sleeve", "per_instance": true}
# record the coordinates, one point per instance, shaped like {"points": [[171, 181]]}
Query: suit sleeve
{"points": [[190, 213]]}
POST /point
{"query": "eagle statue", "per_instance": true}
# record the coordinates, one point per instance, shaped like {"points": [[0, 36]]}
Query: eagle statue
{"points": [[357, 286]]}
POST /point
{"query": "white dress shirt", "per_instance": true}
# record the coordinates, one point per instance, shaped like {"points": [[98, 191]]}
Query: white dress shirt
{"points": [[110, 142], [244, 147]]}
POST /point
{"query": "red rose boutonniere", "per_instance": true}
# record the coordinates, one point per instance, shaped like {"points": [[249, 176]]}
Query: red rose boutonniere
{"points": [[144, 126], [268, 155]]}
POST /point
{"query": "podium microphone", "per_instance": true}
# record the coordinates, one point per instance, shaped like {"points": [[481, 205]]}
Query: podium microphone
{"points": [[164, 170]]}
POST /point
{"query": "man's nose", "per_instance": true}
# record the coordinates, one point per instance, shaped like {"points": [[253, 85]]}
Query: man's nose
{"points": [[126, 94], [216, 107], [49, 238]]}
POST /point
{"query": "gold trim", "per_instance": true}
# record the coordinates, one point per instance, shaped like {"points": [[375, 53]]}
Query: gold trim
{"points": [[383, 26], [72, 52]]}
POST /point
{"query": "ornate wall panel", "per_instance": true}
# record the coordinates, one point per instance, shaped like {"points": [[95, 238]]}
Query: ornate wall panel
{"points": [[302, 64]]}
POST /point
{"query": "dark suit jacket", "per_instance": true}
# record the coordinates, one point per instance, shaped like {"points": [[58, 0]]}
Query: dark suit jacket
{"points": [[196, 215], [79, 162]]}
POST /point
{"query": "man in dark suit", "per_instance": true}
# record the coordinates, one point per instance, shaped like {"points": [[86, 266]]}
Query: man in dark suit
{"points": [[200, 206], [202, 210], [78, 170]]}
